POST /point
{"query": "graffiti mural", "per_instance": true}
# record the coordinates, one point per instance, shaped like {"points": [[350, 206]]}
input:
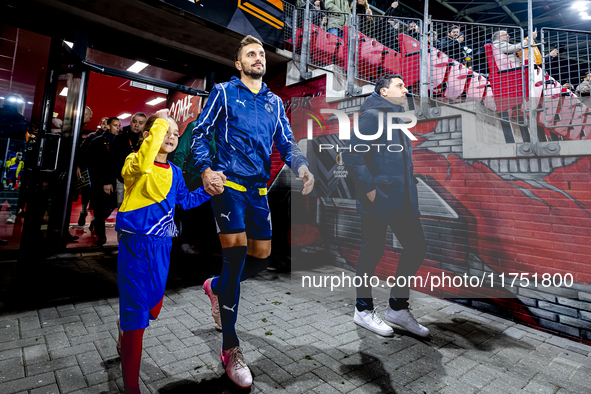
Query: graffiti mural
{"points": [[500, 216]]}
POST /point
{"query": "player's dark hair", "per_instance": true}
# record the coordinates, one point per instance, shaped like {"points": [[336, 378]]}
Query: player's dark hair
{"points": [[384, 81], [111, 119]]}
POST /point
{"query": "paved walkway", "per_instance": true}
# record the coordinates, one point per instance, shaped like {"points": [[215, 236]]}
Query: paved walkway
{"points": [[62, 340]]}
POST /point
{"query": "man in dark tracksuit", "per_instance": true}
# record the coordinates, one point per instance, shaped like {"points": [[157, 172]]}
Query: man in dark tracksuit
{"points": [[386, 196], [247, 119]]}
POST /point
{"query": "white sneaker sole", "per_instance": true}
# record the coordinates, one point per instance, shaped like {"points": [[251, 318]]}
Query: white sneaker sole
{"points": [[384, 333], [406, 329]]}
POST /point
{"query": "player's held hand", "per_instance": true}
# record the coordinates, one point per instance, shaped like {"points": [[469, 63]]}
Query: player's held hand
{"points": [[213, 181], [308, 179]]}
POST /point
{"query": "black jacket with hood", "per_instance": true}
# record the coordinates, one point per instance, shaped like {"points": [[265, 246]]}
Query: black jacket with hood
{"points": [[390, 174]]}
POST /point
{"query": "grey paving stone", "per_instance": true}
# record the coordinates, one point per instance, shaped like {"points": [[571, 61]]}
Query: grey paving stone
{"points": [[72, 350], [50, 389], [29, 323], [90, 362], [12, 353], [28, 383], [70, 379], [9, 333], [542, 388], [11, 369], [51, 365], [36, 354]]}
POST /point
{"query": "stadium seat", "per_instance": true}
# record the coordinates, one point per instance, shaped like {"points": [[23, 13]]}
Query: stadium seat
{"points": [[323, 46], [476, 87], [438, 62], [507, 81], [369, 59], [409, 59], [391, 62], [457, 76], [343, 49]]}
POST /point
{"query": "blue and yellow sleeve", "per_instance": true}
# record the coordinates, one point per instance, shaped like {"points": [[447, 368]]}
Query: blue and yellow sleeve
{"points": [[142, 162]]}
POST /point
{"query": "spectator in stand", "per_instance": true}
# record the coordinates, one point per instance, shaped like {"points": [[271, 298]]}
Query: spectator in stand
{"points": [[126, 142], [392, 10], [414, 31], [315, 5], [103, 196], [584, 89], [366, 24], [433, 40], [386, 29], [452, 43], [500, 39], [337, 21]]}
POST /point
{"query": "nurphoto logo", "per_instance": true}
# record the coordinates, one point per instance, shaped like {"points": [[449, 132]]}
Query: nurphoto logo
{"points": [[394, 121]]}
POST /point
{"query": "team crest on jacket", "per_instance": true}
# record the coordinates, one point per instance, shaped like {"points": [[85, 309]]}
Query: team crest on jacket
{"points": [[269, 108]]}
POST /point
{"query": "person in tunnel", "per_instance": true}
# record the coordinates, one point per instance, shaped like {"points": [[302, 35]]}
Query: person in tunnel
{"points": [[386, 196]]}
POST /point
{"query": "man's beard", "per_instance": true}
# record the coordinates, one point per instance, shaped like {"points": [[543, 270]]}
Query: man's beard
{"points": [[253, 73]]}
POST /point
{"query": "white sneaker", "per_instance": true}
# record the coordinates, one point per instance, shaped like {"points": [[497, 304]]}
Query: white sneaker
{"points": [[236, 368], [11, 219], [406, 320], [373, 322]]}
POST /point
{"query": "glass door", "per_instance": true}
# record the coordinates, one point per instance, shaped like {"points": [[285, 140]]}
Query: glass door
{"points": [[49, 179]]}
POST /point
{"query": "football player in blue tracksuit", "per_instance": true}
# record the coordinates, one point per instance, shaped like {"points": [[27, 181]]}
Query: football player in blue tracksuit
{"points": [[145, 223], [247, 119]]}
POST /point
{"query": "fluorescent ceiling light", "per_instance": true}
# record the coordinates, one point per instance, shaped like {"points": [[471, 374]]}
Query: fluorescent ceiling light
{"points": [[29, 102], [124, 116], [1, 98], [64, 92], [68, 43], [137, 67], [156, 101]]}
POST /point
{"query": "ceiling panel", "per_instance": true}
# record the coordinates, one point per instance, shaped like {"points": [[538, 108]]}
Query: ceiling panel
{"points": [[112, 96]]}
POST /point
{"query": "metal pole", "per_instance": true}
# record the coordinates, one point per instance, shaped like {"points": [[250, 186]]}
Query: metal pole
{"points": [[351, 69], [305, 42], [423, 90], [533, 125], [294, 31]]}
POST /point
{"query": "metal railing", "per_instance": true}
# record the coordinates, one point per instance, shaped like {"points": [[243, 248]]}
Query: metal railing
{"points": [[479, 68], [565, 92], [389, 45], [328, 40]]}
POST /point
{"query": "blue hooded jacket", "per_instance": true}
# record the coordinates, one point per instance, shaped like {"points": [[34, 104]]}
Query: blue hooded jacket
{"points": [[245, 125], [390, 174]]}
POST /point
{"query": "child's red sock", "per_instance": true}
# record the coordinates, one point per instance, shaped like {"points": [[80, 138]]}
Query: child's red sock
{"points": [[156, 310], [131, 357]]}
